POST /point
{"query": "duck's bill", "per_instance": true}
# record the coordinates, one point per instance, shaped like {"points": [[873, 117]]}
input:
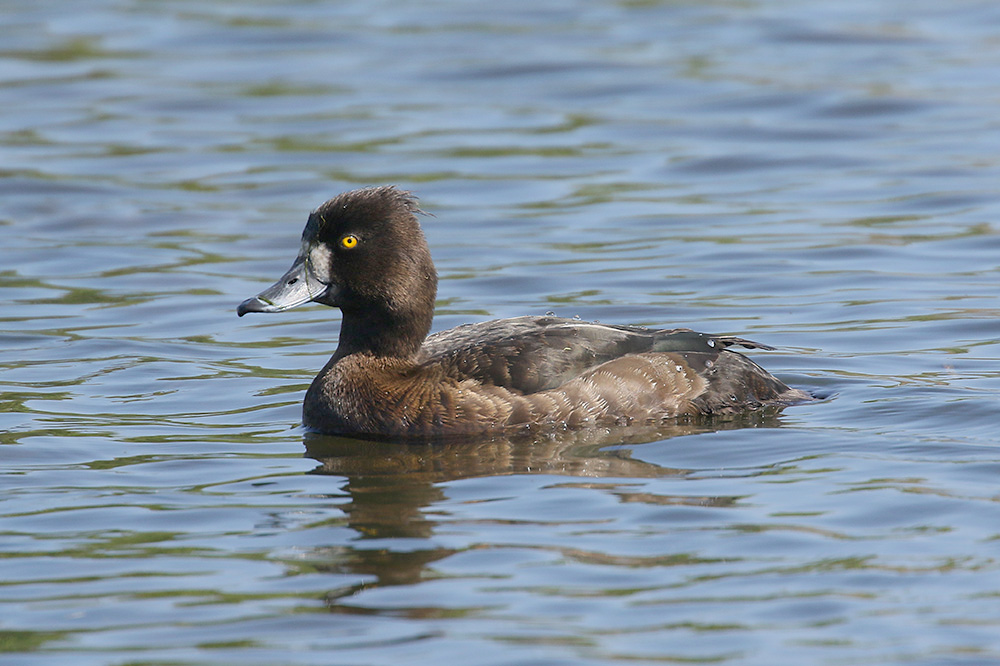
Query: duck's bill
{"points": [[296, 287]]}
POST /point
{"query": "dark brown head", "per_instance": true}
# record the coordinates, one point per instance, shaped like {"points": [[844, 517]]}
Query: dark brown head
{"points": [[363, 252]]}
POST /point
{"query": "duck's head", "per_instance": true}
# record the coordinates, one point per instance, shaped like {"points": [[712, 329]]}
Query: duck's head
{"points": [[363, 252]]}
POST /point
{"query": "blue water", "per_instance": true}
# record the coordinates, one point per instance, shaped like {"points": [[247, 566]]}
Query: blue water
{"points": [[820, 176]]}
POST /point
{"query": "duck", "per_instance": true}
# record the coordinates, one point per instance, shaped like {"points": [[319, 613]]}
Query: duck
{"points": [[365, 253]]}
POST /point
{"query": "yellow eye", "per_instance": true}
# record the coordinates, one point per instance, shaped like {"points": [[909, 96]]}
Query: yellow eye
{"points": [[349, 242]]}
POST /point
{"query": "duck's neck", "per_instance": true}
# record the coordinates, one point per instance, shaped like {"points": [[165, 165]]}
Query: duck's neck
{"points": [[383, 334]]}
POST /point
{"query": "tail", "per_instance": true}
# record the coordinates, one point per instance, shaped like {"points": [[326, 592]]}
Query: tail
{"points": [[686, 340]]}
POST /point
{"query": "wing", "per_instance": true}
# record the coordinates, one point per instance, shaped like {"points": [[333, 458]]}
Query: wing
{"points": [[530, 354]]}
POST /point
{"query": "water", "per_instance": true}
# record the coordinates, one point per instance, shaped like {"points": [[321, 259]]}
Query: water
{"points": [[819, 176]]}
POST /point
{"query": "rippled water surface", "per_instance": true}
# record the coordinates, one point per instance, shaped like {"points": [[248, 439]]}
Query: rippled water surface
{"points": [[821, 176]]}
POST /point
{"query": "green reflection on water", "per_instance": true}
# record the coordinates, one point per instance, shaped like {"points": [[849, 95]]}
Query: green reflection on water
{"points": [[26, 641], [71, 50]]}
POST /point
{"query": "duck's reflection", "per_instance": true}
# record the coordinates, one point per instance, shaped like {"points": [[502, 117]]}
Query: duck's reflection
{"points": [[586, 453], [391, 485]]}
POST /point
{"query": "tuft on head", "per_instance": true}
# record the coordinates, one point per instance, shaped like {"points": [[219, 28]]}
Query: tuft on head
{"points": [[364, 208]]}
